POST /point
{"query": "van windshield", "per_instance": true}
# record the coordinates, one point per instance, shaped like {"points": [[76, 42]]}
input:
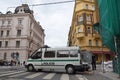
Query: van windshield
{"points": [[36, 55], [33, 53]]}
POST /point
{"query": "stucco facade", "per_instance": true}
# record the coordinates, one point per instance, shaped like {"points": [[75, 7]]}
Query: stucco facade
{"points": [[20, 34], [81, 31]]}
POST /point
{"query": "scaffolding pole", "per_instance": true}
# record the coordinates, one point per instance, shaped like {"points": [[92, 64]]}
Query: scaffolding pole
{"points": [[118, 56]]}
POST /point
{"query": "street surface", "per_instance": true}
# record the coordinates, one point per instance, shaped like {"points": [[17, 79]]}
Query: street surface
{"points": [[20, 73], [24, 75]]}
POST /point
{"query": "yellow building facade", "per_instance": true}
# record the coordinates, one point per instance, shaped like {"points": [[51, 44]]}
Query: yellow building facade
{"points": [[82, 33]]}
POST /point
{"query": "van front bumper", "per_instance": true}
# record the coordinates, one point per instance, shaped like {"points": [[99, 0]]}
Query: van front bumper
{"points": [[83, 67]]}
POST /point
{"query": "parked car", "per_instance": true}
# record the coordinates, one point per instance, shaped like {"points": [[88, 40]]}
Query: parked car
{"points": [[3, 63]]}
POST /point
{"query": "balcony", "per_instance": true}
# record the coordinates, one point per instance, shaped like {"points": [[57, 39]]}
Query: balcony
{"points": [[80, 35], [9, 25], [20, 26], [96, 36], [5, 27]]}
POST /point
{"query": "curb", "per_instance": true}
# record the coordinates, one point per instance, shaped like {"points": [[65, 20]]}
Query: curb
{"points": [[11, 67]]}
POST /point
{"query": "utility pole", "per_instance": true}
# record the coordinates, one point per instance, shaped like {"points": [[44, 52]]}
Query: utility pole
{"points": [[103, 70]]}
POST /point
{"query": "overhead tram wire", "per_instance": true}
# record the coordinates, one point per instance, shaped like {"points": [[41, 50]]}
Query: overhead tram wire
{"points": [[51, 3]]}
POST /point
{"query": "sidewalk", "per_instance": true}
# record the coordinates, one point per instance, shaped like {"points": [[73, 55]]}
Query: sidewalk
{"points": [[11, 67], [109, 74], [5, 67]]}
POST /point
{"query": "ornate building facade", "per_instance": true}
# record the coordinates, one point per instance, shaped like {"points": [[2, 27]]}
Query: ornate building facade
{"points": [[82, 33], [20, 34]]}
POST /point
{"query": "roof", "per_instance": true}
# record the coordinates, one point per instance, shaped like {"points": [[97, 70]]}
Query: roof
{"points": [[61, 48], [25, 7]]}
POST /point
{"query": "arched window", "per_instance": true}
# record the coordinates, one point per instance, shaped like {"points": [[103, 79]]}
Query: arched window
{"points": [[90, 42], [88, 30]]}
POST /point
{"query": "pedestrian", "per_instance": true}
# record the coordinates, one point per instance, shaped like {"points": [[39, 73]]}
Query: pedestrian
{"points": [[24, 63], [11, 62], [93, 62], [19, 63], [15, 63]]}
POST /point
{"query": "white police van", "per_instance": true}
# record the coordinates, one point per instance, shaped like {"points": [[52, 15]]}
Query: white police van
{"points": [[68, 59]]}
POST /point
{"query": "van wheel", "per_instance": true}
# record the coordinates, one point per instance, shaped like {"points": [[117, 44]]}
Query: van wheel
{"points": [[30, 68], [70, 70]]}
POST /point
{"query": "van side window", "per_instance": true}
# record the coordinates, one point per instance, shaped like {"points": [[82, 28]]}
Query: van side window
{"points": [[73, 53], [37, 55], [63, 54], [49, 54]]}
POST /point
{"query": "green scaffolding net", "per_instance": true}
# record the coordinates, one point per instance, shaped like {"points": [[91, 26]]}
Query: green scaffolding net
{"points": [[109, 25], [109, 22]]}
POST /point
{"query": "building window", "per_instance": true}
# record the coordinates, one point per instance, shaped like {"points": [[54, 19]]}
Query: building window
{"points": [[0, 44], [88, 30], [3, 22], [8, 32], [18, 32], [93, 7], [88, 18], [1, 33], [86, 6], [79, 30], [90, 42], [80, 18], [5, 56], [97, 44], [17, 44], [6, 44], [19, 21], [9, 22]]}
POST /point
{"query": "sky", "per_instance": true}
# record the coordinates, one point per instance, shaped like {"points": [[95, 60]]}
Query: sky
{"points": [[55, 19]]}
